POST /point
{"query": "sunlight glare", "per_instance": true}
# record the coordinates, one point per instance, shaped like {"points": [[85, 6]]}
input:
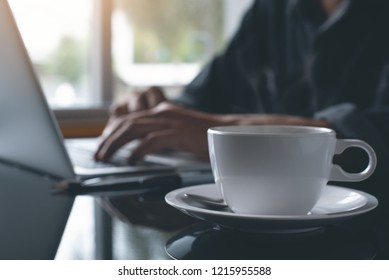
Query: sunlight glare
{"points": [[44, 22]]}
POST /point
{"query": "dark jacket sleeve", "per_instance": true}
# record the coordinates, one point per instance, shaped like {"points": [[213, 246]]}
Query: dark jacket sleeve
{"points": [[213, 89]]}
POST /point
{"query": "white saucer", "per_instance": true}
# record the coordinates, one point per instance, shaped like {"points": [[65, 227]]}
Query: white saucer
{"points": [[335, 204]]}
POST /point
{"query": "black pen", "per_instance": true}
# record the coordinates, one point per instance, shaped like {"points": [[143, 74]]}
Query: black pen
{"points": [[118, 184]]}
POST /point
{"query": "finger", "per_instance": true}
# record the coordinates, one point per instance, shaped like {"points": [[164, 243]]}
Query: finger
{"points": [[114, 124], [167, 109], [112, 127], [120, 109], [154, 96], [137, 102], [134, 102], [111, 144], [153, 142], [128, 132]]}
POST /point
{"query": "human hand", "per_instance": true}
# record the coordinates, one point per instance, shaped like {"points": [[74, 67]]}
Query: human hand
{"points": [[163, 126], [137, 101], [171, 126]]}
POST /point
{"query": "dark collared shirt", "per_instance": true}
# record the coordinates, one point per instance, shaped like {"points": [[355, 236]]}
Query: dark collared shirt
{"points": [[289, 58]]}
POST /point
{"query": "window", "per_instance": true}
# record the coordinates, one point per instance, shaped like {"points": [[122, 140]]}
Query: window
{"points": [[57, 36], [163, 42], [153, 42]]}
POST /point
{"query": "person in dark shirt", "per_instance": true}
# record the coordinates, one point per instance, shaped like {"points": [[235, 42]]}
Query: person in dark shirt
{"points": [[304, 62], [292, 62]]}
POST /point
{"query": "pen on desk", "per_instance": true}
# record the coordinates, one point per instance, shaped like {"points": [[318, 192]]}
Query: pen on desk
{"points": [[114, 184]]}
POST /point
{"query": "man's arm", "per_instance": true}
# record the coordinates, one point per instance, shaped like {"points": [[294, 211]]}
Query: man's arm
{"points": [[171, 126]]}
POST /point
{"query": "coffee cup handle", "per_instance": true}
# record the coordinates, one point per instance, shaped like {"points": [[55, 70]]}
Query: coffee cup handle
{"points": [[338, 174]]}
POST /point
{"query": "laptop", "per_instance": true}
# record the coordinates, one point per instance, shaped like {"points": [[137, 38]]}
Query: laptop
{"points": [[30, 136], [33, 157]]}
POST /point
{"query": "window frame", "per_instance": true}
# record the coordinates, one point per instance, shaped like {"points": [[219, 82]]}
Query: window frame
{"points": [[89, 122]]}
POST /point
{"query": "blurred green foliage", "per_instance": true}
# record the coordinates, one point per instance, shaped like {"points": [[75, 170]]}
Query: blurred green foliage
{"points": [[166, 31], [68, 60], [174, 30]]}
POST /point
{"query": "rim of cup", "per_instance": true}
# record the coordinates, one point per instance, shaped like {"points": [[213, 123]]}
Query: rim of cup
{"points": [[270, 130]]}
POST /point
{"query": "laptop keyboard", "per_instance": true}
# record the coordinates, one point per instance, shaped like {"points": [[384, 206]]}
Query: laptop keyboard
{"points": [[82, 155]]}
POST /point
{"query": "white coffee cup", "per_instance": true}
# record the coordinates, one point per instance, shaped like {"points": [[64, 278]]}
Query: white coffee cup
{"points": [[278, 170]]}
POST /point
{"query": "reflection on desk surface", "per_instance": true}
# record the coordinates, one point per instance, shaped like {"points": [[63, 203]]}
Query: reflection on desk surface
{"points": [[207, 241], [144, 223], [32, 219]]}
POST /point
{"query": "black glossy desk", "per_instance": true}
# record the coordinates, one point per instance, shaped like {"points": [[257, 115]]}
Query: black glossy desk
{"points": [[143, 226], [190, 238], [32, 219]]}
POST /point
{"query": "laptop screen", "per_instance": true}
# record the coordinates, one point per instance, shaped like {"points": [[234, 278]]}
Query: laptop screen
{"points": [[29, 133]]}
